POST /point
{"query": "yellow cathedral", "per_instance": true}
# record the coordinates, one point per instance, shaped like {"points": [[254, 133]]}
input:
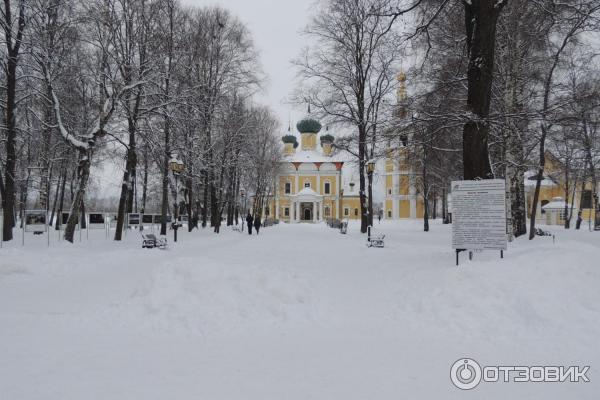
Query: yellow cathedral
{"points": [[310, 186]]}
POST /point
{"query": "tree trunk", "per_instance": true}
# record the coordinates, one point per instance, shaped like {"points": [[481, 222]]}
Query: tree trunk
{"points": [[84, 174], [126, 186], [12, 59], [480, 22]]}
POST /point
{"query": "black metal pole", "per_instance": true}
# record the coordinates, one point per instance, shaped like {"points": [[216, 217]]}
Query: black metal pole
{"points": [[175, 212]]}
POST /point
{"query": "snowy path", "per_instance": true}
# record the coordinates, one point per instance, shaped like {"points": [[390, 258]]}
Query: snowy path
{"points": [[299, 312]]}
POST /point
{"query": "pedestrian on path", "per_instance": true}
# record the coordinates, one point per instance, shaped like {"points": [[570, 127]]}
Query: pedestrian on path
{"points": [[257, 224], [249, 220]]}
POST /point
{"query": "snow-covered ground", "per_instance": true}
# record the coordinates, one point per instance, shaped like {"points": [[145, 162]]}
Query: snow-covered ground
{"points": [[299, 312]]}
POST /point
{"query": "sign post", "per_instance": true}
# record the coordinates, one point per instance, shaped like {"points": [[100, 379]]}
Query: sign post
{"points": [[479, 216]]}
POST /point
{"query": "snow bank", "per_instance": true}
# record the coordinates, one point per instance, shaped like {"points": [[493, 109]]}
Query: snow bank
{"points": [[299, 312]]}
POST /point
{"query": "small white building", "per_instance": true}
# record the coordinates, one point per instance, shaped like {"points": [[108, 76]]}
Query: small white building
{"points": [[554, 211]]}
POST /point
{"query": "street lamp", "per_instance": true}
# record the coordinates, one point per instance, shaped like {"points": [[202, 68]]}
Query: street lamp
{"points": [[370, 166], [243, 194], [176, 166], [370, 170]]}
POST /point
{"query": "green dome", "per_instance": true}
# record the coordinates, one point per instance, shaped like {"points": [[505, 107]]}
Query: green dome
{"points": [[327, 138], [308, 125], [290, 139]]}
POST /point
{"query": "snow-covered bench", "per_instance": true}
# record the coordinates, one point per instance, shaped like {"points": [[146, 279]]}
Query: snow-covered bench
{"points": [[376, 241], [150, 241]]}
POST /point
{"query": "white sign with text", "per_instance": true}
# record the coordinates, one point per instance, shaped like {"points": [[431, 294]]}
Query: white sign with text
{"points": [[479, 215]]}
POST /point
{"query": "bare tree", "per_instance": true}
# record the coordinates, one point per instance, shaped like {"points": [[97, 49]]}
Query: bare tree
{"points": [[348, 74], [13, 37], [571, 19]]}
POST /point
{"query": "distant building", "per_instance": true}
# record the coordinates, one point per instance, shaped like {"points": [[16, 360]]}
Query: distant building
{"points": [[402, 199], [310, 186], [552, 194]]}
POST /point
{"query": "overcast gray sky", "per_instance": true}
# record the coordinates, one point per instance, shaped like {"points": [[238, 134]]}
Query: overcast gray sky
{"points": [[275, 27]]}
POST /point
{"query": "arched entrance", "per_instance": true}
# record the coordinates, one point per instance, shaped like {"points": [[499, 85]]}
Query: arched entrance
{"points": [[307, 216]]}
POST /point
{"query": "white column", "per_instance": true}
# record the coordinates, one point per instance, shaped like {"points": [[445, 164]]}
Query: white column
{"points": [[412, 190], [297, 211], [321, 216], [314, 211], [337, 195], [277, 207], [318, 190]]}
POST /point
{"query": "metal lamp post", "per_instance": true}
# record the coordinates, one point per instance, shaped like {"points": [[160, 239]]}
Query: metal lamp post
{"points": [[243, 194], [176, 166], [370, 170]]}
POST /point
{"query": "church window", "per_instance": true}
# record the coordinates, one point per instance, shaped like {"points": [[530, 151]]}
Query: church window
{"points": [[288, 187], [327, 211], [306, 184], [286, 211], [356, 212], [327, 188], [389, 214], [346, 212]]}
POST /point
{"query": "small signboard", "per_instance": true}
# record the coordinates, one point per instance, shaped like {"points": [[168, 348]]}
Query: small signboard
{"points": [[479, 215], [96, 221], [112, 220], [36, 221], [147, 219], [134, 219]]}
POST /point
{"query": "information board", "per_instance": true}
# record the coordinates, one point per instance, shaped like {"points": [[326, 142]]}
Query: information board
{"points": [[134, 219], [479, 215], [96, 221], [36, 221], [147, 219]]}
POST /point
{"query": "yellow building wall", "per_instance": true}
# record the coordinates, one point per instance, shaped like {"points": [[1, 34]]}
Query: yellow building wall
{"points": [[283, 180], [312, 179], [288, 148], [389, 209], [308, 141], [404, 208], [389, 165], [352, 204], [332, 204], [404, 185], [389, 183], [333, 186], [403, 159]]}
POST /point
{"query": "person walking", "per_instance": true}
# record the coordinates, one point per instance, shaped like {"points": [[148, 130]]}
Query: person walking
{"points": [[579, 219], [249, 220], [257, 224]]}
